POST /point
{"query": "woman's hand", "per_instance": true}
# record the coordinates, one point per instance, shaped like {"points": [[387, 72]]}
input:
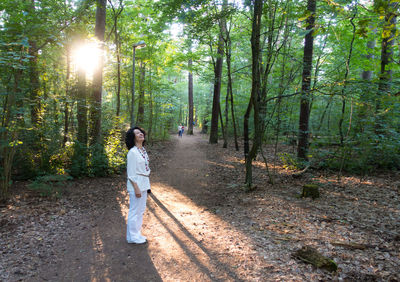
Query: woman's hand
{"points": [[138, 193]]}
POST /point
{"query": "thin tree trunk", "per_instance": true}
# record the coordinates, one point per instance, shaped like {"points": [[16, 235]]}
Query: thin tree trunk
{"points": [[217, 90], [149, 131], [140, 117], [190, 98], [118, 46], [246, 139], [67, 95], [345, 79], [118, 52], [222, 125]]}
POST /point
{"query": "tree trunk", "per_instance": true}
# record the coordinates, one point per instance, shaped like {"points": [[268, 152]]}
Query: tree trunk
{"points": [[255, 89], [34, 85], [95, 111], [385, 79], [217, 90], [230, 91], [81, 113], [345, 79], [150, 129], [118, 52], [190, 98], [303, 145], [8, 136], [223, 127], [140, 118], [67, 95], [118, 47]]}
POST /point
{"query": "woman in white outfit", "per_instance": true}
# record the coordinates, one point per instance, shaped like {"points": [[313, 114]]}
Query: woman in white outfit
{"points": [[138, 172]]}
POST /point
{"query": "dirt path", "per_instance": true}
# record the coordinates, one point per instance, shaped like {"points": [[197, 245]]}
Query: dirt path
{"points": [[202, 226], [185, 242]]}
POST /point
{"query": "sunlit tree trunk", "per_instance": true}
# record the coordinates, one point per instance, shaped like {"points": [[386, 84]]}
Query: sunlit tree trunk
{"points": [[67, 94], [303, 145], [95, 110], [81, 113]]}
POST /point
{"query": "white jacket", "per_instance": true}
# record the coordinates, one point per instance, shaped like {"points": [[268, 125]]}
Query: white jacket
{"points": [[136, 170]]}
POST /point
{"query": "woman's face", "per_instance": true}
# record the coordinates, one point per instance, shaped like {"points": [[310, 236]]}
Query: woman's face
{"points": [[139, 136]]}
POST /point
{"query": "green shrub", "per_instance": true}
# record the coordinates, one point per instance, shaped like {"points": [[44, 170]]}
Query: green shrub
{"points": [[98, 161], [50, 185], [290, 161], [79, 165], [115, 150]]}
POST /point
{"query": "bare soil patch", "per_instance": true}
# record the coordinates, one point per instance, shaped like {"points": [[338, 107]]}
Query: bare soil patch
{"points": [[202, 226]]}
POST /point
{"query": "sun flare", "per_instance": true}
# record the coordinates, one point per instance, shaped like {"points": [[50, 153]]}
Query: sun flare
{"points": [[87, 57]]}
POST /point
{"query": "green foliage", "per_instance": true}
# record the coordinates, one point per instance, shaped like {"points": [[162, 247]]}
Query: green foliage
{"points": [[115, 149], [363, 155], [50, 185], [290, 161], [98, 161], [79, 166]]}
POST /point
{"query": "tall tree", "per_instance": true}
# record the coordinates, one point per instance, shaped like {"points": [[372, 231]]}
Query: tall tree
{"points": [[95, 110], [115, 15], [140, 115], [217, 89], [190, 97], [390, 9], [303, 145], [35, 103], [255, 91]]}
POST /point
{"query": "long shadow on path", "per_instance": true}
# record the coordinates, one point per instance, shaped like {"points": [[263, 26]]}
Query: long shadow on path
{"points": [[97, 249]]}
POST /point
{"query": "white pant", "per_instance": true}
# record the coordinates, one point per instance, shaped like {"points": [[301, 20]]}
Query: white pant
{"points": [[137, 207]]}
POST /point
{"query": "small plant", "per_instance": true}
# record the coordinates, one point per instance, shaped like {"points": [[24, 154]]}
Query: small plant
{"points": [[289, 161], [50, 185]]}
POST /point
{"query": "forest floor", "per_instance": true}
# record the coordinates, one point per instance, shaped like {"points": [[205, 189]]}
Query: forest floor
{"points": [[202, 226]]}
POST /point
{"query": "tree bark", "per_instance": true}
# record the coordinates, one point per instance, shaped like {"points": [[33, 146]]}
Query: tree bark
{"points": [[95, 111], [190, 98], [150, 129], [217, 90], [303, 145], [118, 52], [385, 79], [255, 89], [67, 94], [81, 113], [140, 118]]}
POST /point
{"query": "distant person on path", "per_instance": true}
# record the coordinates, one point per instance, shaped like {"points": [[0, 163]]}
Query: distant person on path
{"points": [[180, 130], [183, 129], [138, 173]]}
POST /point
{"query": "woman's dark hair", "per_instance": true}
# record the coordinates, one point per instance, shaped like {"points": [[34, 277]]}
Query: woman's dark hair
{"points": [[130, 137]]}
